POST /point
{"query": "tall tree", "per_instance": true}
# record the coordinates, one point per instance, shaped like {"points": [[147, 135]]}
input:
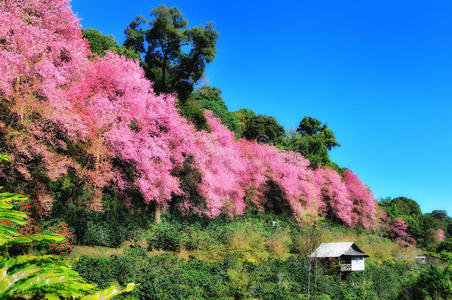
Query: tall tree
{"points": [[264, 127], [312, 127], [314, 142], [243, 115], [175, 56]]}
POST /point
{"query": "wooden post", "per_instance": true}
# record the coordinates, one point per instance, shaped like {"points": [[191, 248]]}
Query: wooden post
{"points": [[157, 213], [315, 272], [364, 278], [309, 278]]}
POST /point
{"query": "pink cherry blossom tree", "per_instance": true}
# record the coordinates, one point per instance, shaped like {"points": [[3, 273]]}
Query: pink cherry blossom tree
{"points": [[59, 96], [338, 202], [399, 227], [364, 211]]}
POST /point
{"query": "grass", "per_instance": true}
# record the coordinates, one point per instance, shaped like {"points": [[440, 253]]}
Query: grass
{"points": [[95, 251]]}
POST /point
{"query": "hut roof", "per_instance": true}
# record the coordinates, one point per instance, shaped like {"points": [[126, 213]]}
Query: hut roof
{"points": [[337, 250]]}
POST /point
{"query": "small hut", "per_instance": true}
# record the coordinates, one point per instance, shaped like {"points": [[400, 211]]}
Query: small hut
{"points": [[421, 259], [346, 254]]}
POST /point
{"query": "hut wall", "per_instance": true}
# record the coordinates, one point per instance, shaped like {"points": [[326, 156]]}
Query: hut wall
{"points": [[357, 264]]}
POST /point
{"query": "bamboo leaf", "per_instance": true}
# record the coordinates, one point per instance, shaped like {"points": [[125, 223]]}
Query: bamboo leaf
{"points": [[51, 297], [109, 293], [8, 282], [4, 158], [8, 232], [35, 238], [17, 217]]}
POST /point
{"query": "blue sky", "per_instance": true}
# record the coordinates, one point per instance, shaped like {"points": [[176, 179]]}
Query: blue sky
{"points": [[378, 72]]}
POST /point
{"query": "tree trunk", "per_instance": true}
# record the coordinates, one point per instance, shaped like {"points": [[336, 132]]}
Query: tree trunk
{"points": [[157, 213]]}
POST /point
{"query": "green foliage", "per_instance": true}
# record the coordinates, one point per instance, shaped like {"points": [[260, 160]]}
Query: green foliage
{"points": [[434, 283], [314, 149], [210, 98], [261, 126], [109, 293], [4, 158], [127, 52], [96, 270], [313, 140], [70, 189], [312, 127], [194, 113], [25, 276], [99, 234], [109, 228], [11, 219], [401, 206], [100, 43], [406, 206], [175, 56], [168, 277], [276, 202], [422, 227], [165, 237], [243, 115], [445, 246]]}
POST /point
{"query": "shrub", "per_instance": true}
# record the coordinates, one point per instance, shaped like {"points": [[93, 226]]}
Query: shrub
{"points": [[63, 247], [168, 277], [96, 270], [165, 237], [248, 240], [98, 234], [278, 247], [434, 283]]}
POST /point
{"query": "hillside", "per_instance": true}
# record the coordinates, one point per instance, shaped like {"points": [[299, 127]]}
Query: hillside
{"points": [[195, 201]]}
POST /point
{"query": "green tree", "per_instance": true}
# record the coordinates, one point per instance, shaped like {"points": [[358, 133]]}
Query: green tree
{"points": [[193, 112], [99, 43], [406, 206], [264, 128], [314, 141], [422, 227], [313, 148], [175, 56], [408, 210], [312, 127], [210, 98], [243, 115]]}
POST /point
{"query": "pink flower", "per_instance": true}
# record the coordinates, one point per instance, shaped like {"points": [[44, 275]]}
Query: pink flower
{"points": [[440, 234], [107, 108]]}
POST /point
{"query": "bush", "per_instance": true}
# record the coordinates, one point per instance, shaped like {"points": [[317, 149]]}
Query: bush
{"points": [[98, 234], [96, 270], [434, 283], [165, 237], [168, 277], [109, 228]]}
